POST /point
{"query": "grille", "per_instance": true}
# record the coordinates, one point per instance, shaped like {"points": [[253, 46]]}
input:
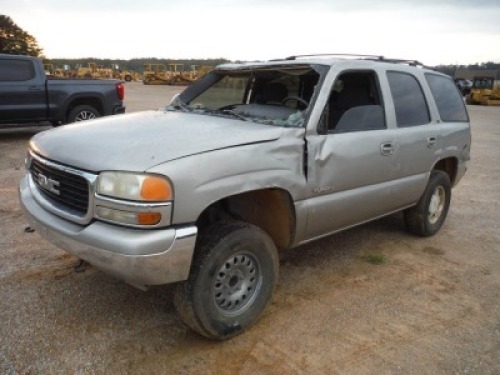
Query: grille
{"points": [[70, 195]]}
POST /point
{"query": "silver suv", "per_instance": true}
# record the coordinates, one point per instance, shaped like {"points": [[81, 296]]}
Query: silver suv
{"points": [[250, 159]]}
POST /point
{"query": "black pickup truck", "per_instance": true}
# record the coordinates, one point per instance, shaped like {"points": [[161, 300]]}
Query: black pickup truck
{"points": [[28, 96]]}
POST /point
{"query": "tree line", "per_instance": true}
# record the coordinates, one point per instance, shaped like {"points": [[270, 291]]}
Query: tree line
{"points": [[451, 69]]}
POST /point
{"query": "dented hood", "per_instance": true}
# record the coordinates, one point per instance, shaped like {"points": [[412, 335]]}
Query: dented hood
{"points": [[139, 141]]}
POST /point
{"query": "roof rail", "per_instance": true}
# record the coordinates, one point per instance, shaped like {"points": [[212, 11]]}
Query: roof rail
{"points": [[295, 57], [364, 57]]}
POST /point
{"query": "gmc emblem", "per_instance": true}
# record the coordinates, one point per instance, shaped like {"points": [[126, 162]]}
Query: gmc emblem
{"points": [[48, 184]]}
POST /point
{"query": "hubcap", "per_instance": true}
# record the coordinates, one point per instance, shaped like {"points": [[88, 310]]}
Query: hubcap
{"points": [[436, 204], [85, 115], [236, 283]]}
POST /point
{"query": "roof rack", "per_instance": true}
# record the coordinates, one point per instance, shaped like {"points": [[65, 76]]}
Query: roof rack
{"points": [[364, 57], [295, 57]]}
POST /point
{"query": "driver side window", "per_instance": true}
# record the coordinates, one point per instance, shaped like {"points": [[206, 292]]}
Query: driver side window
{"points": [[354, 104]]}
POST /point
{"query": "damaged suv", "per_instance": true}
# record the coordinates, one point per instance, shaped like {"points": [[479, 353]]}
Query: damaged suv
{"points": [[250, 159]]}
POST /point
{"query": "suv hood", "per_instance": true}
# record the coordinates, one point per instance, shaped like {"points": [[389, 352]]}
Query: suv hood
{"points": [[137, 142]]}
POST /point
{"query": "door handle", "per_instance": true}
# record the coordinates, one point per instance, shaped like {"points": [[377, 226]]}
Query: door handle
{"points": [[34, 88], [387, 148], [431, 141]]}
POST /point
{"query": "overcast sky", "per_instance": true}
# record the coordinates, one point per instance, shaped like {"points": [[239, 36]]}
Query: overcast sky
{"points": [[431, 31]]}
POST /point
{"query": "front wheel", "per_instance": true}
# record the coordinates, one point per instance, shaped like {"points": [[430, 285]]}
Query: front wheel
{"points": [[232, 279], [83, 113], [427, 217]]}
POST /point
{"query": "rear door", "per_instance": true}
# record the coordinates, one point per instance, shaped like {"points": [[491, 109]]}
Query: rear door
{"points": [[418, 135], [22, 92]]}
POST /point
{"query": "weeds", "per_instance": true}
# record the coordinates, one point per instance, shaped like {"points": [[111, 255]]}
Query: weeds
{"points": [[376, 259]]}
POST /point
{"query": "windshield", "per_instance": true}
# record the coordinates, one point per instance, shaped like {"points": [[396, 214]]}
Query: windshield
{"points": [[269, 95]]}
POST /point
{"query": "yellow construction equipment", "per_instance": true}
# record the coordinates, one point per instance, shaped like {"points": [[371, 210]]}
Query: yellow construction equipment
{"points": [[175, 74], [485, 90], [204, 69], [155, 74], [87, 72], [52, 71], [49, 69], [125, 75]]}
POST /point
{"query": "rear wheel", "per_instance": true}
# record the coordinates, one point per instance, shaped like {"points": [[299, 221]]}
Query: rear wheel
{"points": [[83, 113], [232, 279], [427, 217], [128, 78]]}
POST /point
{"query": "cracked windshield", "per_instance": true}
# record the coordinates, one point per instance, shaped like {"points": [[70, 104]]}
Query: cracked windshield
{"points": [[279, 96]]}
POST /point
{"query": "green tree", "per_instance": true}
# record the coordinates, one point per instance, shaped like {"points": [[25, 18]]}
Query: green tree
{"points": [[16, 41]]}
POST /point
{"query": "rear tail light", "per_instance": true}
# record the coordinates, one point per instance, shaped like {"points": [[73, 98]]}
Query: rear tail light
{"points": [[120, 90]]}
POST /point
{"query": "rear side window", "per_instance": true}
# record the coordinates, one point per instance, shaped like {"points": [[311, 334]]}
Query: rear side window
{"points": [[409, 101], [16, 70], [450, 105]]}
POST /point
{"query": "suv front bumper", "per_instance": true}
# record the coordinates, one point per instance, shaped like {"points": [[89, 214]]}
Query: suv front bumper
{"points": [[138, 257]]}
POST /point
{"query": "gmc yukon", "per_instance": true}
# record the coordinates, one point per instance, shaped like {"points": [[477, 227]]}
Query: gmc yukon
{"points": [[250, 159]]}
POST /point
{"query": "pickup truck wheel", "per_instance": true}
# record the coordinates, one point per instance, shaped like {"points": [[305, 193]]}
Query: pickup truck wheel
{"points": [[427, 217], [83, 113], [232, 279]]}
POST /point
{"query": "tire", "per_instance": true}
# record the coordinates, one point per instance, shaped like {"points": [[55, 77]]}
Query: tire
{"points": [[128, 78], [83, 113], [232, 279], [146, 81], [427, 217]]}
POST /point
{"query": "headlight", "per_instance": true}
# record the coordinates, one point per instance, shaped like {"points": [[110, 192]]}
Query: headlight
{"points": [[136, 187]]}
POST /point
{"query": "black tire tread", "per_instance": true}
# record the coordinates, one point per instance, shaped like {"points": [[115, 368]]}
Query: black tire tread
{"points": [[183, 292], [415, 217]]}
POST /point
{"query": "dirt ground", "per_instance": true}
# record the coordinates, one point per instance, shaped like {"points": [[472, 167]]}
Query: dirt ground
{"points": [[432, 306]]}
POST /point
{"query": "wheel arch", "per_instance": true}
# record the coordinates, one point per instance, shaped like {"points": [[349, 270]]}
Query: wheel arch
{"points": [[272, 210], [448, 165]]}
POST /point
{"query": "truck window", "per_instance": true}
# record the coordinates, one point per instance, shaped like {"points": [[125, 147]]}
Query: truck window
{"points": [[16, 70], [450, 105], [409, 101], [227, 91], [354, 103]]}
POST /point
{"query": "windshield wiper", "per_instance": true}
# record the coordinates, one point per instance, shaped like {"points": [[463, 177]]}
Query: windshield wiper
{"points": [[179, 107], [234, 114], [223, 113]]}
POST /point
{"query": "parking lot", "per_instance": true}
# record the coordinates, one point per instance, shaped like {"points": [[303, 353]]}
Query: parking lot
{"points": [[431, 306]]}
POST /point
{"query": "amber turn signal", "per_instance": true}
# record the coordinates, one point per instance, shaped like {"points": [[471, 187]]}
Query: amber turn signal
{"points": [[151, 218], [156, 189]]}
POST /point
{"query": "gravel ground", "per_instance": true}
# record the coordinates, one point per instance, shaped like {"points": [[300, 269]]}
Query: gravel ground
{"points": [[433, 306]]}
